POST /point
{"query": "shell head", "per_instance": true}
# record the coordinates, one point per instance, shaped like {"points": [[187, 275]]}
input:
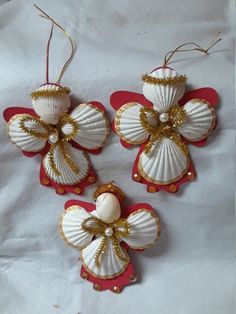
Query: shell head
{"points": [[50, 102], [108, 207]]}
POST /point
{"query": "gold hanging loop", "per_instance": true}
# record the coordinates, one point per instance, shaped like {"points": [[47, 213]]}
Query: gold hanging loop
{"points": [[196, 47], [68, 61]]}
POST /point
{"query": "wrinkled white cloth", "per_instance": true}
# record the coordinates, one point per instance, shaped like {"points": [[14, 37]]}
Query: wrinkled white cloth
{"points": [[191, 269]]}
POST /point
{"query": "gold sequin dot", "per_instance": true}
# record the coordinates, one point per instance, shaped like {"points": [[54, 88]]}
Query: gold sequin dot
{"points": [[91, 179], [77, 191], [84, 275], [60, 190], [190, 175], [116, 289], [133, 278], [136, 177], [45, 181], [152, 189], [173, 188], [97, 287]]}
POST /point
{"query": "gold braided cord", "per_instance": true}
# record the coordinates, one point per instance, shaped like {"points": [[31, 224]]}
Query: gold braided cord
{"points": [[68, 159], [27, 130], [51, 160], [100, 252], [49, 93], [96, 227], [176, 117], [147, 78], [66, 119], [144, 112], [49, 129]]}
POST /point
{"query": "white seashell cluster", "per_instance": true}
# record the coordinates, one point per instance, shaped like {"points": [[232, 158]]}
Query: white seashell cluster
{"points": [[51, 108], [108, 207]]}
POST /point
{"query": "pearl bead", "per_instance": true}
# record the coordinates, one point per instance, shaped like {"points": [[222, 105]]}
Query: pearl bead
{"points": [[108, 232], [164, 117], [53, 138]]}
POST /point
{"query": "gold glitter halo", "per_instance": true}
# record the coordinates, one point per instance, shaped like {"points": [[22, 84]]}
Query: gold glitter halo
{"points": [[48, 93], [147, 78], [109, 188]]}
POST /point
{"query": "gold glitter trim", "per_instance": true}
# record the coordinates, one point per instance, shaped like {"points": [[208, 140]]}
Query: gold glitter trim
{"points": [[149, 179], [176, 117], [49, 93], [97, 227], [117, 124], [147, 78], [109, 188], [157, 220]]}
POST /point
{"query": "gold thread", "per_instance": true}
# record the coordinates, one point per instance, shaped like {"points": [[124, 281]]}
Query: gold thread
{"points": [[149, 79]]}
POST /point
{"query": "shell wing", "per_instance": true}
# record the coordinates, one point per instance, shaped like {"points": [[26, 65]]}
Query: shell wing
{"points": [[200, 120], [93, 126], [144, 230], [70, 227], [24, 140]]}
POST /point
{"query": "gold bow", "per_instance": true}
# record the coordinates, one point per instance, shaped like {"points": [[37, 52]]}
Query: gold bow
{"points": [[96, 227], [177, 117], [51, 129]]}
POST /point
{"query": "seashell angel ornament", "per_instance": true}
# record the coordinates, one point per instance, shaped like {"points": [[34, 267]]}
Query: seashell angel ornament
{"points": [[163, 121], [61, 135], [104, 233]]}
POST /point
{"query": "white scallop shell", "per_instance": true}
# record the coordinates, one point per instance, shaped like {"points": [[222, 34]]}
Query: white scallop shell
{"points": [[199, 121], [92, 126], [51, 108], [110, 265], [128, 125], [144, 229], [70, 227], [163, 96], [165, 164], [108, 207], [23, 140], [67, 176]]}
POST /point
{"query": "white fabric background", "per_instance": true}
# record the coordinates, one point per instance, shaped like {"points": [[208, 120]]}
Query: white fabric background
{"points": [[190, 270]]}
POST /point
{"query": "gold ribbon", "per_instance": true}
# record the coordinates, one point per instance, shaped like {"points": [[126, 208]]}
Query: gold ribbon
{"points": [[160, 130], [96, 227], [62, 138]]}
